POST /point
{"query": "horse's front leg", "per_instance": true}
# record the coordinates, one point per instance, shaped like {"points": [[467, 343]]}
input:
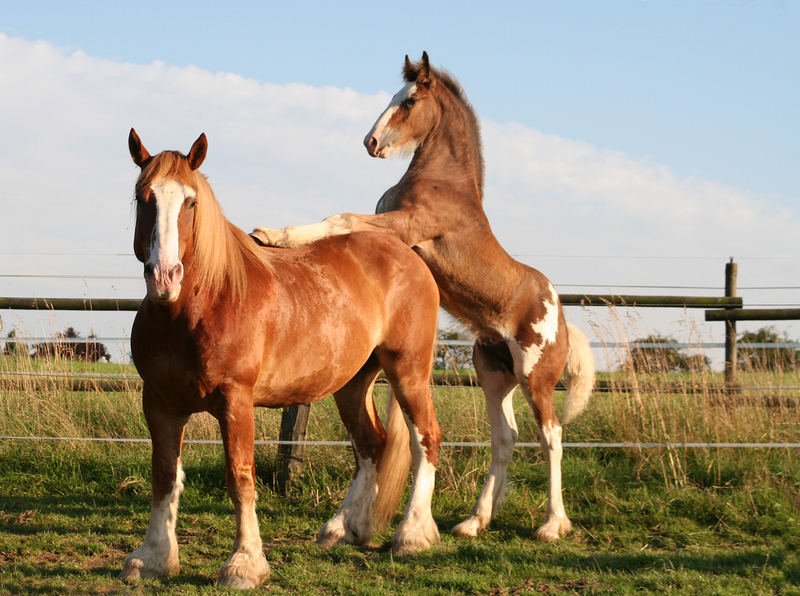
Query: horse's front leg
{"points": [[401, 223], [247, 566], [292, 236], [158, 554]]}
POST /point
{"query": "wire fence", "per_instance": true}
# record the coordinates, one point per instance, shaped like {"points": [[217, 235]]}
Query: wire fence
{"points": [[483, 444]]}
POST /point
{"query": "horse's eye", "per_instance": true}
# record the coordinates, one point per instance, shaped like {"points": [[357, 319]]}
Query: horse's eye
{"points": [[191, 203], [410, 102]]}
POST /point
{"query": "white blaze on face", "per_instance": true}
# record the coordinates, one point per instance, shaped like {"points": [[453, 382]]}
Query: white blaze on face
{"points": [[546, 328], [386, 136], [164, 245]]}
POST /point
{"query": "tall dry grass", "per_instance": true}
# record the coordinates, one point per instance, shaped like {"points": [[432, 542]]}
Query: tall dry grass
{"points": [[640, 406]]}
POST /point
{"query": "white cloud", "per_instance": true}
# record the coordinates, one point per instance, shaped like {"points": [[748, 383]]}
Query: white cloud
{"points": [[288, 154]]}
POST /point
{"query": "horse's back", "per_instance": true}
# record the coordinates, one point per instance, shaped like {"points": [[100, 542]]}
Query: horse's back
{"points": [[372, 262], [335, 302]]}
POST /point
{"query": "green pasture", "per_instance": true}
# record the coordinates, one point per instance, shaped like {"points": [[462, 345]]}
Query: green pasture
{"points": [[663, 520]]}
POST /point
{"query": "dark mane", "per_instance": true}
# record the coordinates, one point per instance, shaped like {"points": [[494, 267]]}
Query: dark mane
{"points": [[470, 119]]}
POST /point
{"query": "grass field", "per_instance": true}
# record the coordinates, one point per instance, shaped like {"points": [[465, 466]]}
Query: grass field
{"points": [[664, 520]]}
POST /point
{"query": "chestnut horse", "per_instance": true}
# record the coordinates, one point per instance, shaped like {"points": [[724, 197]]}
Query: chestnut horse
{"points": [[436, 207], [228, 325]]}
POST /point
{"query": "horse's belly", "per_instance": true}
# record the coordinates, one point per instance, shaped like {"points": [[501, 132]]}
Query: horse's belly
{"points": [[311, 371]]}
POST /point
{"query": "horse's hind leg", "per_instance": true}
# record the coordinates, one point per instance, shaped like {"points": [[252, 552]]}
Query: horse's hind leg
{"points": [[411, 387], [494, 367], [247, 566], [538, 372], [354, 522], [158, 554]]}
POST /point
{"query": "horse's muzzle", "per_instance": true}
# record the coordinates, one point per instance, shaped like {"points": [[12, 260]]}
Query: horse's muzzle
{"points": [[163, 283], [371, 143]]}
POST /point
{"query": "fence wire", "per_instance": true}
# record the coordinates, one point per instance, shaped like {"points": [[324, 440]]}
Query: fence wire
{"points": [[526, 445]]}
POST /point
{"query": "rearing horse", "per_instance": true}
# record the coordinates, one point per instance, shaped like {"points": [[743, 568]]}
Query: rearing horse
{"points": [[436, 207], [228, 325]]}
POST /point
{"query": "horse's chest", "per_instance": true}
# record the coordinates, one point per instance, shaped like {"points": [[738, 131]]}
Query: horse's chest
{"points": [[171, 356]]}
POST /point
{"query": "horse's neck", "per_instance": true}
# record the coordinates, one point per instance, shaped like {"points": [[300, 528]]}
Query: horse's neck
{"points": [[448, 156]]}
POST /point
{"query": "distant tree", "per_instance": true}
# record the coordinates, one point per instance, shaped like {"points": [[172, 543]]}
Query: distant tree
{"points": [[777, 358], [91, 351], [453, 357], [13, 347], [647, 356]]}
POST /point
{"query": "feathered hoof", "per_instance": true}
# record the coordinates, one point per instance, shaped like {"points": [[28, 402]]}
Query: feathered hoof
{"points": [[415, 537], [331, 533], [140, 568], [470, 527], [337, 531], [267, 236], [553, 529], [244, 571]]}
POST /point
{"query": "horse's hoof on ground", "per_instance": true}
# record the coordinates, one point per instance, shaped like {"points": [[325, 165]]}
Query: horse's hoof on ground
{"points": [[553, 529], [240, 572], [237, 583], [409, 546], [130, 574], [407, 540], [330, 534], [136, 569], [470, 527]]}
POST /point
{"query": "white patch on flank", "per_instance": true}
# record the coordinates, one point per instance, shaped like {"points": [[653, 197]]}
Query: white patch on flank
{"points": [[546, 327], [170, 195]]}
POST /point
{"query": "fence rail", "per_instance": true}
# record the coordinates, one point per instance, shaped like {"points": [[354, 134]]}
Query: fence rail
{"points": [[727, 309], [633, 300]]}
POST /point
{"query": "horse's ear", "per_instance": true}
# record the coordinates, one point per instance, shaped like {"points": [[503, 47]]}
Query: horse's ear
{"points": [[424, 71], [198, 152], [139, 154], [409, 71]]}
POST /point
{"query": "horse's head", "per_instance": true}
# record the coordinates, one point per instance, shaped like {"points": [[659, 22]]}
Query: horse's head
{"points": [[166, 194], [410, 117]]}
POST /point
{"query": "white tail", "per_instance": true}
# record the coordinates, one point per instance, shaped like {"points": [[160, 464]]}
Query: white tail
{"points": [[578, 374]]}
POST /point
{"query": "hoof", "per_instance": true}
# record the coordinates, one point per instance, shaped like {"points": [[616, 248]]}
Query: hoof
{"points": [[470, 527], [244, 571], [335, 532], [266, 236], [136, 569], [331, 533], [553, 529], [237, 583], [413, 538]]}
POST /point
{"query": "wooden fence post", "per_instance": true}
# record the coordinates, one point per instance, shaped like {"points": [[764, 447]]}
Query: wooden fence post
{"points": [[289, 463], [731, 272]]}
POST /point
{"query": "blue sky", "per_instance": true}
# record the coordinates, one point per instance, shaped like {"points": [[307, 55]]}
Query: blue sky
{"points": [[626, 143], [708, 87]]}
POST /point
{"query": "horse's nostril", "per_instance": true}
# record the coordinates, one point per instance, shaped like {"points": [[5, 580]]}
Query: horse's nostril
{"points": [[177, 272], [371, 143]]}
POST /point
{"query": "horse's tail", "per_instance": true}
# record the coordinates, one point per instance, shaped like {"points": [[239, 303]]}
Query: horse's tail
{"points": [[578, 374], [394, 466]]}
